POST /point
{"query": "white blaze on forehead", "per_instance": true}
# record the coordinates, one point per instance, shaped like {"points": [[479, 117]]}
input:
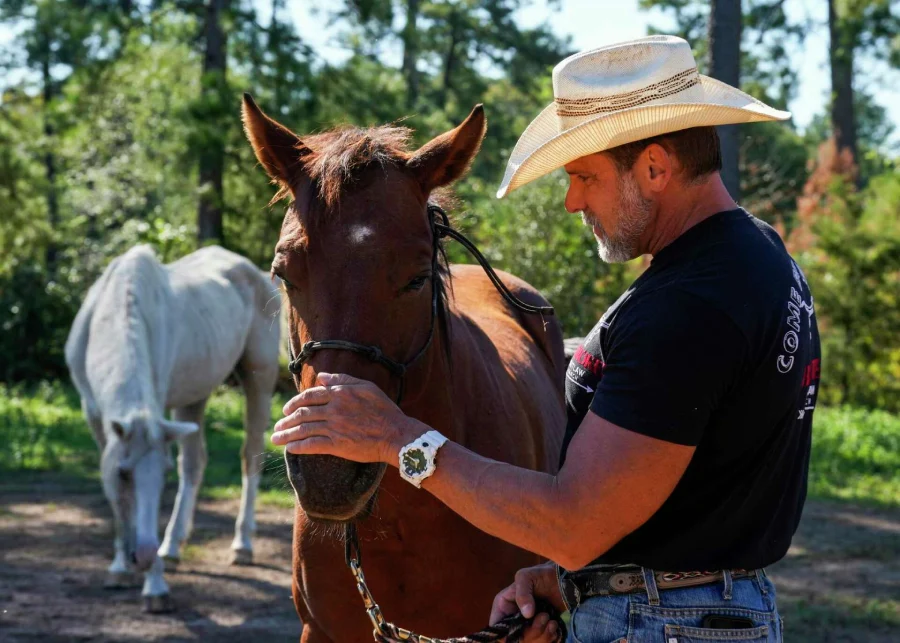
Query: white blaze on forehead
{"points": [[361, 234]]}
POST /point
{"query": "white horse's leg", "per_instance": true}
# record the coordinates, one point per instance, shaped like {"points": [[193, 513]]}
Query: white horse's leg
{"points": [[191, 465], [120, 573], [156, 590], [258, 387]]}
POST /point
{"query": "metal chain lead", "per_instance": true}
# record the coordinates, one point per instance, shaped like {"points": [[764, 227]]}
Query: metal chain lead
{"points": [[511, 628]]}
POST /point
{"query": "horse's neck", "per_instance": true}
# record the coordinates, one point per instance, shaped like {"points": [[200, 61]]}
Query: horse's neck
{"points": [[131, 348]]}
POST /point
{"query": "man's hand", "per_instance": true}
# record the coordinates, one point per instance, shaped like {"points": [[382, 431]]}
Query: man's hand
{"points": [[348, 418], [531, 582]]}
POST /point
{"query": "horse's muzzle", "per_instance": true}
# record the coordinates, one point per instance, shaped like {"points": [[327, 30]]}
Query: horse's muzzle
{"points": [[330, 488]]}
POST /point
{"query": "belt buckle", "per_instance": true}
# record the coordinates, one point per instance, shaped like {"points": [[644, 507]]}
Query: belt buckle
{"points": [[625, 582]]}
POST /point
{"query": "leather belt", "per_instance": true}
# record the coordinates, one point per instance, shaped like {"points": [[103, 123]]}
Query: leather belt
{"points": [[580, 585]]}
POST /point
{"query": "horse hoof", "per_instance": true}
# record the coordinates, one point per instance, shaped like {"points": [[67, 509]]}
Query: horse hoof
{"points": [[121, 580], [242, 557], [161, 604]]}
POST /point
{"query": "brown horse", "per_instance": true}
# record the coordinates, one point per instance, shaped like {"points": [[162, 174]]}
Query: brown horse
{"points": [[356, 256]]}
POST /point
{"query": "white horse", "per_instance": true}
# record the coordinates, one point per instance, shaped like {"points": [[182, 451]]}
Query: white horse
{"points": [[152, 337]]}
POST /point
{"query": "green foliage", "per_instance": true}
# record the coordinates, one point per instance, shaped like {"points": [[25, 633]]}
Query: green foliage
{"points": [[773, 158], [854, 273], [766, 70], [874, 130], [123, 114], [856, 455], [531, 235], [23, 214], [773, 169], [36, 315], [43, 430]]}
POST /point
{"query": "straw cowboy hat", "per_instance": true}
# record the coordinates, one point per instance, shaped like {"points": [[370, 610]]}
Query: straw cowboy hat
{"points": [[623, 93]]}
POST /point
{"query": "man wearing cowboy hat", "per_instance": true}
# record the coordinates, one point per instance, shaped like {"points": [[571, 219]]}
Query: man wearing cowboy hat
{"points": [[689, 403]]}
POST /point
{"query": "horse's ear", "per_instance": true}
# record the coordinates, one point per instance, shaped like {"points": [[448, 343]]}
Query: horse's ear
{"points": [[278, 149], [446, 158], [174, 430], [121, 429]]}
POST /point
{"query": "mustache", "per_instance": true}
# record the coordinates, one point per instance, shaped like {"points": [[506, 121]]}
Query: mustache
{"points": [[590, 219]]}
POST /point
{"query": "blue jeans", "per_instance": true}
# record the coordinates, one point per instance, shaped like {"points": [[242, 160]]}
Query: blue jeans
{"points": [[677, 615]]}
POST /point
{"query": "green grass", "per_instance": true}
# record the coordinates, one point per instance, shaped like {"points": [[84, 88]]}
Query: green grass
{"points": [[856, 452], [43, 432], [856, 456], [838, 618]]}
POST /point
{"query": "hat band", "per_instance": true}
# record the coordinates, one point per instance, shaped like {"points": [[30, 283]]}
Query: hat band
{"points": [[580, 107]]}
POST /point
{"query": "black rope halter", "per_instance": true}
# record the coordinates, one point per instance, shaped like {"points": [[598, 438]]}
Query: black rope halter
{"points": [[439, 230]]}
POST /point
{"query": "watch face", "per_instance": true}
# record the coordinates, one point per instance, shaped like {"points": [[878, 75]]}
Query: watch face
{"points": [[414, 462]]}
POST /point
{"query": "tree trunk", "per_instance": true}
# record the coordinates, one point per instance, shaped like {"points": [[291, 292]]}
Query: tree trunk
{"points": [[843, 120], [449, 61], [49, 158], [274, 43], [410, 51], [725, 22], [212, 158]]}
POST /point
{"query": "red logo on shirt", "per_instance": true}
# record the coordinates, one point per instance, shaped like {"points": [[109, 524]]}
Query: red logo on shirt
{"points": [[811, 372], [588, 362]]}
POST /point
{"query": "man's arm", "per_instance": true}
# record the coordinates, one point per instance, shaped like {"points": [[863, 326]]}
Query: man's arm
{"points": [[613, 481], [671, 361]]}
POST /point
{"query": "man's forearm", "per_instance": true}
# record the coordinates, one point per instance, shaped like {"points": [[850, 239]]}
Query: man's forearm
{"points": [[522, 507]]}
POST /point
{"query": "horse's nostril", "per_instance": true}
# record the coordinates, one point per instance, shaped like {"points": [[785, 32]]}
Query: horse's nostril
{"points": [[124, 475], [133, 558]]}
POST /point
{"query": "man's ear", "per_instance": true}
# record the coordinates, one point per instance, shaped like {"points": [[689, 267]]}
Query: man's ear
{"points": [[655, 167], [278, 149], [446, 158]]}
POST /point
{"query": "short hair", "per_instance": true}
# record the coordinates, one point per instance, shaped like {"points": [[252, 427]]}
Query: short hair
{"points": [[698, 150]]}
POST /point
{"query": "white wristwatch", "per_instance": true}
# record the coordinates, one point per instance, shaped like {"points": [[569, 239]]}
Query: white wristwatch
{"points": [[417, 459]]}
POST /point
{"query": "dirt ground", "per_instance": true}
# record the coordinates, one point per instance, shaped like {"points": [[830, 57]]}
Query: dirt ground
{"points": [[55, 546], [841, 581]]}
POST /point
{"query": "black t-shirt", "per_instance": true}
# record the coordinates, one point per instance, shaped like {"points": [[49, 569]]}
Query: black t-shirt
{"points": [[715, 346]]}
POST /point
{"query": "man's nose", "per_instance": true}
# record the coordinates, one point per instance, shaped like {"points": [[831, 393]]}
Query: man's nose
{"points": [[574, 202]]}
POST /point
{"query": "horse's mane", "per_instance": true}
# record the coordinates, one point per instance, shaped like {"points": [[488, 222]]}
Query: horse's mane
{"points": [[334, 160]]}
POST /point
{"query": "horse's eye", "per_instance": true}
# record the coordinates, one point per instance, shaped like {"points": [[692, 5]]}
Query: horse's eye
{"points": [[416, 284], [287, 284]]}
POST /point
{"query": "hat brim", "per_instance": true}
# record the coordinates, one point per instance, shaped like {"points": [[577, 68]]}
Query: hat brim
{"points": [[542, 148]]}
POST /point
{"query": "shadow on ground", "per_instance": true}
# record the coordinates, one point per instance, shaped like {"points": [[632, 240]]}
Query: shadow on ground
{"points": [[840, 581], [56, 542]]}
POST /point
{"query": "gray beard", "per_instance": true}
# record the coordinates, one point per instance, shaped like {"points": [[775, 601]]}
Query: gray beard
{"points": [[634, 215]]}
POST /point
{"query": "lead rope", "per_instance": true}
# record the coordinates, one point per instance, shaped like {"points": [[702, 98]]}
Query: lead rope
{"points": [[511, 629]]}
